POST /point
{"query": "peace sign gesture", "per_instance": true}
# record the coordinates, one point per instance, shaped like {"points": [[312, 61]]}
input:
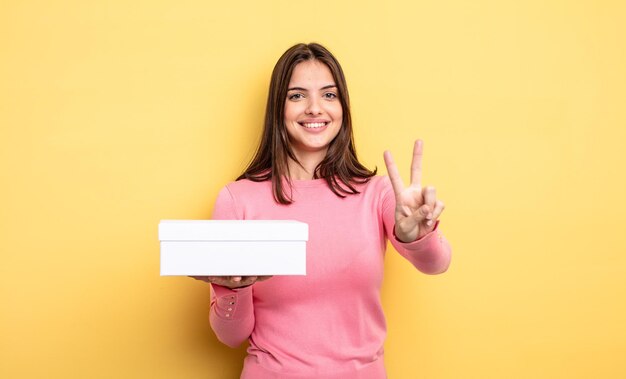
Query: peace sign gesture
{"points": [[417, 208]]}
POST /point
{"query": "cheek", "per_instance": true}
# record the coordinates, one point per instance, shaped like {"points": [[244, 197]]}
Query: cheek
{"points": [[292, 111], [338, 115], [336, 112]]}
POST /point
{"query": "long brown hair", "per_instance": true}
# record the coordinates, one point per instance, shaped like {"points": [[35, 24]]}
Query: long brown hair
{"points": [[340, 168]]}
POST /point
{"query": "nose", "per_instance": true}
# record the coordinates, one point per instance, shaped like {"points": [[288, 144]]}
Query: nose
{"points": [[313, 106]]}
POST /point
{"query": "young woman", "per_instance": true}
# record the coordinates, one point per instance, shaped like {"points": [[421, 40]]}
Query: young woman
{"points": [[328, 324]]}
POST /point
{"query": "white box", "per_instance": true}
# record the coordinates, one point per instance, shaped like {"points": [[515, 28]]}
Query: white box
{"points": [[233, 247]]}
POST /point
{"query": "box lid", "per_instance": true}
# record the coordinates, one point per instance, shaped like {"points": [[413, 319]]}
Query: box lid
{"points": [[233, 230]]}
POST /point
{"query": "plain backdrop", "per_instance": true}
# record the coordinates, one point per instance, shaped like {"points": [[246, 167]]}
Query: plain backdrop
{"points": [[117, 114]]}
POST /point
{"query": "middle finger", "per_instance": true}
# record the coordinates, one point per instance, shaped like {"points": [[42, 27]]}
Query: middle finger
{"points": [[416, 164]]}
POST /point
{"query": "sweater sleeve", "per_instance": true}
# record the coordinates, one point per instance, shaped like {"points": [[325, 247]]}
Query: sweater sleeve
{"points": [[232, 313], [430, 254]]}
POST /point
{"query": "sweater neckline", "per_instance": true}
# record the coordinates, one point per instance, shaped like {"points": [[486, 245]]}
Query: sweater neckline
{"points": [[308, 183]]}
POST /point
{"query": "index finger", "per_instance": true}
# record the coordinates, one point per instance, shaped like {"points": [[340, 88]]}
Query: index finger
{"points": [[416, 164], [394, 175]]}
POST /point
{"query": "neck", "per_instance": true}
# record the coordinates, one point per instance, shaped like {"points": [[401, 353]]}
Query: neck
{"points": [[309, 162]]}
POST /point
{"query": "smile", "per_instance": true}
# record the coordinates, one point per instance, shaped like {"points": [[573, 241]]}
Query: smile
{"points": [[313, 125]]}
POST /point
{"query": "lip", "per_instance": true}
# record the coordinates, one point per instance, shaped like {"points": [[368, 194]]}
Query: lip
{"points": [[314, 121]]}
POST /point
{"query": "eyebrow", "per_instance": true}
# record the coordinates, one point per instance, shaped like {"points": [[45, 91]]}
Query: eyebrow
{"points": [[304, 89]]}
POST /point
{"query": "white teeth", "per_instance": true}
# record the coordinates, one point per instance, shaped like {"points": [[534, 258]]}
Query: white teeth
{"points": [[314, 125]]}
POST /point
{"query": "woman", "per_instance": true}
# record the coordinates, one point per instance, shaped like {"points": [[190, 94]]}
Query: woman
{"points": [[329, 323]]}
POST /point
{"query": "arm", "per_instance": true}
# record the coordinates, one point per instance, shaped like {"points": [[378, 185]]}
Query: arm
{"points": [[232, 311], [410, 217], [232, 314]]}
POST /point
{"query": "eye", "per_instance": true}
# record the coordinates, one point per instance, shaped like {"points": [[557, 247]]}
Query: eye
{"points": [[295, 96], [330, 95]]}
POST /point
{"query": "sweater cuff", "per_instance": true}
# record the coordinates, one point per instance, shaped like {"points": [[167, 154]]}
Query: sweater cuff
{"points": [[424, 243], [232, 304]]}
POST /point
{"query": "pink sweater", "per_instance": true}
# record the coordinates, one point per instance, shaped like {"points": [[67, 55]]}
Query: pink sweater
{"points": [[328, 324]]}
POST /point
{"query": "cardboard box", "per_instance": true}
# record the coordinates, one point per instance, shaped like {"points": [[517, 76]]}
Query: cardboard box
{"points": [[233, 247]]}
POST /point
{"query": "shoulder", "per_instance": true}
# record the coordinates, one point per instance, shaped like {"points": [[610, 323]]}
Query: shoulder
{"points": [[246, 185], [235, 198], [381, 181], [378, 184], [377, 190], [380, 192], [246, 188]]}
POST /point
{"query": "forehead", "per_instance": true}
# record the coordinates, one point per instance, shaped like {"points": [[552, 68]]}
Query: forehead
{"points": [[311, 73]]}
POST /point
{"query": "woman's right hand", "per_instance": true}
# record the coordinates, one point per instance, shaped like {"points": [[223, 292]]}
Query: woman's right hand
{"points": [[232, 282]]}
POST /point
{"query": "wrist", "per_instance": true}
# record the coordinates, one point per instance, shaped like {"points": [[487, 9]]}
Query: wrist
{"points": [[404, 237]]}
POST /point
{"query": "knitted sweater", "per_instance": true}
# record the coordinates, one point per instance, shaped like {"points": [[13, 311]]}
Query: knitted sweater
{"points": [[328, 324]]}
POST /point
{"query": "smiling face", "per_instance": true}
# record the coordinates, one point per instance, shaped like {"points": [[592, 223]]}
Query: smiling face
{"points": [[313, 112]]}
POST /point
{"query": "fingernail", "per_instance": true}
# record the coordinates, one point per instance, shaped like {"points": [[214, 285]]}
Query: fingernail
{"points": [[429, 222]]}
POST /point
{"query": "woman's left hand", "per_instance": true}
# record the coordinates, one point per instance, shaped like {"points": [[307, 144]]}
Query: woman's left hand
{"points": [[417, 208]]}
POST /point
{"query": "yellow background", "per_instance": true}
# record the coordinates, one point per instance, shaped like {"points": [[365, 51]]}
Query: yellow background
{"points": [[117, 114]]}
